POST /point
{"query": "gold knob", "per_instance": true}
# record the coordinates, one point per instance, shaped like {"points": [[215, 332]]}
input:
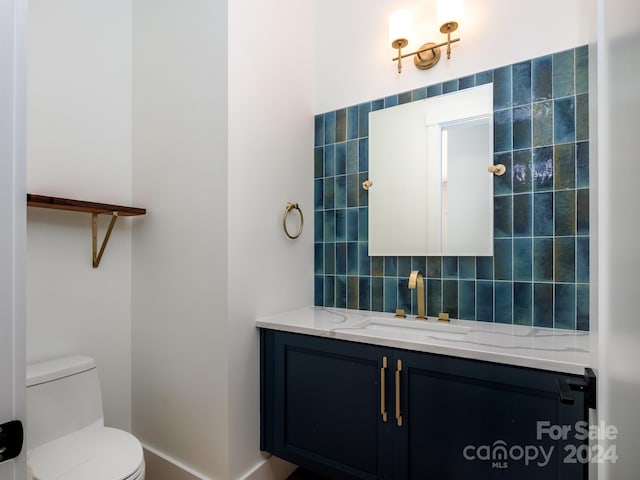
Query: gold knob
{"points": [[367, 184], [498, 169]]}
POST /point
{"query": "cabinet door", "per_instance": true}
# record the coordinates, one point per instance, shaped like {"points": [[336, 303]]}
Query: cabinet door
{"points": [[466, 419], [327, 407]]}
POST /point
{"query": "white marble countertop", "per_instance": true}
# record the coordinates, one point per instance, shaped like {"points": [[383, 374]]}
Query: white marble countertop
{"points": [[564, 351]]}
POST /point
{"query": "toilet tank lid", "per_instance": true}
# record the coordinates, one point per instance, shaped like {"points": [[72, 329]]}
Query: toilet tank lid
{"points": [[46, 371]]}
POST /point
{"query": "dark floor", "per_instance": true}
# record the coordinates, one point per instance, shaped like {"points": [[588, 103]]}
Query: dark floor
{"points": [[302, 474]]}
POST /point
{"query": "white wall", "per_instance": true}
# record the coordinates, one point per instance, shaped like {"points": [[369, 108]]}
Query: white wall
{"points": [[13, 37], [211, 256], [180, 337], [270, 163], [353, 55], [618, 232], [79, 146]]}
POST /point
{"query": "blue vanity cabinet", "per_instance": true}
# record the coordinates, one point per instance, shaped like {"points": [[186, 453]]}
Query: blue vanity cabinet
{"points": [[447, 417], [464, 419], [321, 405]]}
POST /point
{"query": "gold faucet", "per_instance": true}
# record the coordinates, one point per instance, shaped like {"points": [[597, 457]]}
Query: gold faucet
{"points": [[416, 278]]}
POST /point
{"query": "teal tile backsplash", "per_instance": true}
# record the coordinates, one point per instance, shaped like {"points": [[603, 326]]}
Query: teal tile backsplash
{"points": [[539, 274]]}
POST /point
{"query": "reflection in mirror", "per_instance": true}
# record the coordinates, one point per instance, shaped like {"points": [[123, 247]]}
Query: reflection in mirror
{"points": [[431, 193], [464, 179]]}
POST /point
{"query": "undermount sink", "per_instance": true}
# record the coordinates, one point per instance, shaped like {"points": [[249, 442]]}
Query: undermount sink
{"points": [[413, 328]]}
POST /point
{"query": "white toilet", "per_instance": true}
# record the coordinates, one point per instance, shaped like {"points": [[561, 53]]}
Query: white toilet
{"points": [[65, 433]]}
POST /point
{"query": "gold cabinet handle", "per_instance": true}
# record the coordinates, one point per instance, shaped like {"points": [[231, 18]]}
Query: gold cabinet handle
{"points": [[398, 414], [383, 389]]}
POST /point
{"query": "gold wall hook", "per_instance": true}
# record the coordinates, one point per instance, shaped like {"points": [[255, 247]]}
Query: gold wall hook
{"points": [[367, 184], [498, 169]]}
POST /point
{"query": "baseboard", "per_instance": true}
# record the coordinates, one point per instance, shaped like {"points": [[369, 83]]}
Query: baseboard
{"points": [[273, 468], [160, 466]]}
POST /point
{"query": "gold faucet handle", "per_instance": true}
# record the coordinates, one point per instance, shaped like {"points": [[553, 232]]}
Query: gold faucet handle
{"points": [[400, 313], [443, 317]]}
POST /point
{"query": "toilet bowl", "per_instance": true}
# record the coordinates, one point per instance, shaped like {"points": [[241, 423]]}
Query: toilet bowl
{"points": [[65, 432]]}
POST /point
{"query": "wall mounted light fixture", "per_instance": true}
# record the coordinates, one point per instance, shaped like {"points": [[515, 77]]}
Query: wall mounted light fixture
{"points": [[400, 30]]}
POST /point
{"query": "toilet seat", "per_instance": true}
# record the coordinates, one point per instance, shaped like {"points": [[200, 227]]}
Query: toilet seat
{"points": [[96, 453]]}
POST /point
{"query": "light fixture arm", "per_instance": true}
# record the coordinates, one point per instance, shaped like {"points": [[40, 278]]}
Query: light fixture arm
{"points": [[448, 28], [431, 47]]}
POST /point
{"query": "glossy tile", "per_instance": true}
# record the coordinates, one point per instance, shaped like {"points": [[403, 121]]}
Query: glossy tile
{"points": [[541, 78], [318, 132], [543, 305], [582, 165], [563, 74], [522, 127], [582, 211], [564, 166], [341, 258], [353, 122], [522, 83], [352, 156], [450, 86], [502, 130], [565, 306], [467, 82], [522, 171], [582, 259], [484, 268], [503, 216], [564, 120], [502, 184], [543, 259], [364, 293], [522, 259], [390, 294], [565, 212], [434, 297], [329, 128], [503, 258], [353, 294], [363, 119], [542, 120], [434, 90], [450, 298], [541, 206], [523, 303], [484, 301], [341, 291], [582, 307], [582, 69], [502, 88], [467, 300], [565, 259], [543, 214], [467, 267], [543, 169], [522, 215], [503, 312]]}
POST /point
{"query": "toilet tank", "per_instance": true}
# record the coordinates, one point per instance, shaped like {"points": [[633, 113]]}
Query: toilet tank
{"points": [[63, 395]]}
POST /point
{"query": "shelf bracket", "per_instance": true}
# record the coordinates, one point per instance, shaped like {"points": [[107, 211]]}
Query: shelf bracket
{"points": [[97, 256]]}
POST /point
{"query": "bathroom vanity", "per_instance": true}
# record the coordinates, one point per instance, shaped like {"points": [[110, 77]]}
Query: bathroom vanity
{"points": [[363, 395]]}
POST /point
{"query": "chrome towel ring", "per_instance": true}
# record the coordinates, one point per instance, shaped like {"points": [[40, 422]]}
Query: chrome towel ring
{"points": [[289, 207]]}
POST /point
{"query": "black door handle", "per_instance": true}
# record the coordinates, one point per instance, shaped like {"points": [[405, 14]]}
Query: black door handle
{"points": [[587, 384], [11, 439]]}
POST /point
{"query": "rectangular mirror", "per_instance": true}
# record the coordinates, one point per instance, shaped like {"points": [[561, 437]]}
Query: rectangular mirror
{"points": [[431, 193]]}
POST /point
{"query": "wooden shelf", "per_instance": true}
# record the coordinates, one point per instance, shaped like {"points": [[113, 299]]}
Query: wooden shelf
{"points": [[57, 203], [94, 208]]}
